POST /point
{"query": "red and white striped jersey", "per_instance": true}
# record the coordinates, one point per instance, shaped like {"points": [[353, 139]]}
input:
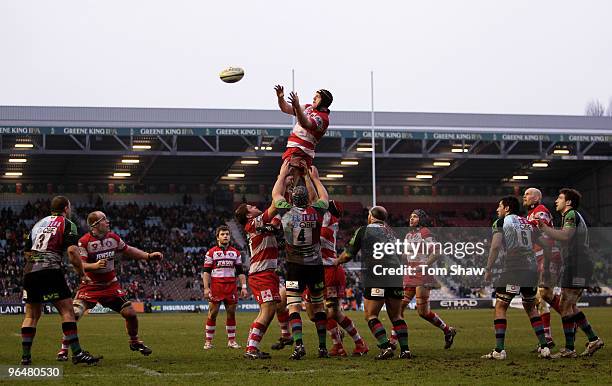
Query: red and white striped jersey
{"points": [[542, 212], [262, 244], [93, 249], [223, 262], [329, 233], [306, 139], [418, 248]]}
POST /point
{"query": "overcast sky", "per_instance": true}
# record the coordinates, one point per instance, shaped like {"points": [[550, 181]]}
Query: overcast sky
{"points": [[515, 56]]}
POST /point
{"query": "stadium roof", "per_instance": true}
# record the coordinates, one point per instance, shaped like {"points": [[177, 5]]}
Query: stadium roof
{"points": [[177, 117], [202, 145]]}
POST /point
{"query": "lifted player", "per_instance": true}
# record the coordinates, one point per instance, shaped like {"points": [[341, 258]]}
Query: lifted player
{"points": [[515, 235], [43, 279], [312, 122], [98, 250], [223, 262], [364, 239], [418, 284]]}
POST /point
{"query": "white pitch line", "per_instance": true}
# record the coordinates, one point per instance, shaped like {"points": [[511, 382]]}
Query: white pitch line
{"points": [[145, 370]]}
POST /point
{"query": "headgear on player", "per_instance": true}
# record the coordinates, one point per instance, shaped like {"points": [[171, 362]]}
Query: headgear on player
{"points": [[299, 196], [326, 98]]}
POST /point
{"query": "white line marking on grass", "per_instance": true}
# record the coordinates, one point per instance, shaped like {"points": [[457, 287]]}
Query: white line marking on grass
{"points": [[145, 370]]}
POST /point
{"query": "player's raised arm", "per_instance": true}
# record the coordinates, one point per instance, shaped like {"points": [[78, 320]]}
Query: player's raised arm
{"points": [[298, 110], [278, 191], [321, 191], [312, 191], [282, 103]]}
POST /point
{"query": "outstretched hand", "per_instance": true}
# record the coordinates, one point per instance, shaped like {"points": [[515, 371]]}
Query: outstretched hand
{"points": [[314, 173], [280, 91], [156, 256], [285, 169], [294, 100]]}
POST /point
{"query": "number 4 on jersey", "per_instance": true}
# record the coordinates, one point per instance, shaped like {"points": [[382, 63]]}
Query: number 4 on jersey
{"points": [[301, 237]]}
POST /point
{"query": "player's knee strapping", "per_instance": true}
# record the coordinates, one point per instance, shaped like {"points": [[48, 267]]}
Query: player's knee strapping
{"points": [[293, 298], [317, 299], [506, 298], [332, 303], [79, 310], [529, 300]]}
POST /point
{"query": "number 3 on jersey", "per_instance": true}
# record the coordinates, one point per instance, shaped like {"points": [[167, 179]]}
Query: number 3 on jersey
{"points": [[41, 241]]}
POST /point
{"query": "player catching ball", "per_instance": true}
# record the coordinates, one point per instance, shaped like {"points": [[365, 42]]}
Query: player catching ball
{"points": [[312, 122]]}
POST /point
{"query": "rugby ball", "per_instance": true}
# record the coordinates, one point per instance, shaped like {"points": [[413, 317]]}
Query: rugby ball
{"points": [[231, 74]]}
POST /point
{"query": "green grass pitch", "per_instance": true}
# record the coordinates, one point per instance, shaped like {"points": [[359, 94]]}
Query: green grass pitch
{"points": [[178, 357]]}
